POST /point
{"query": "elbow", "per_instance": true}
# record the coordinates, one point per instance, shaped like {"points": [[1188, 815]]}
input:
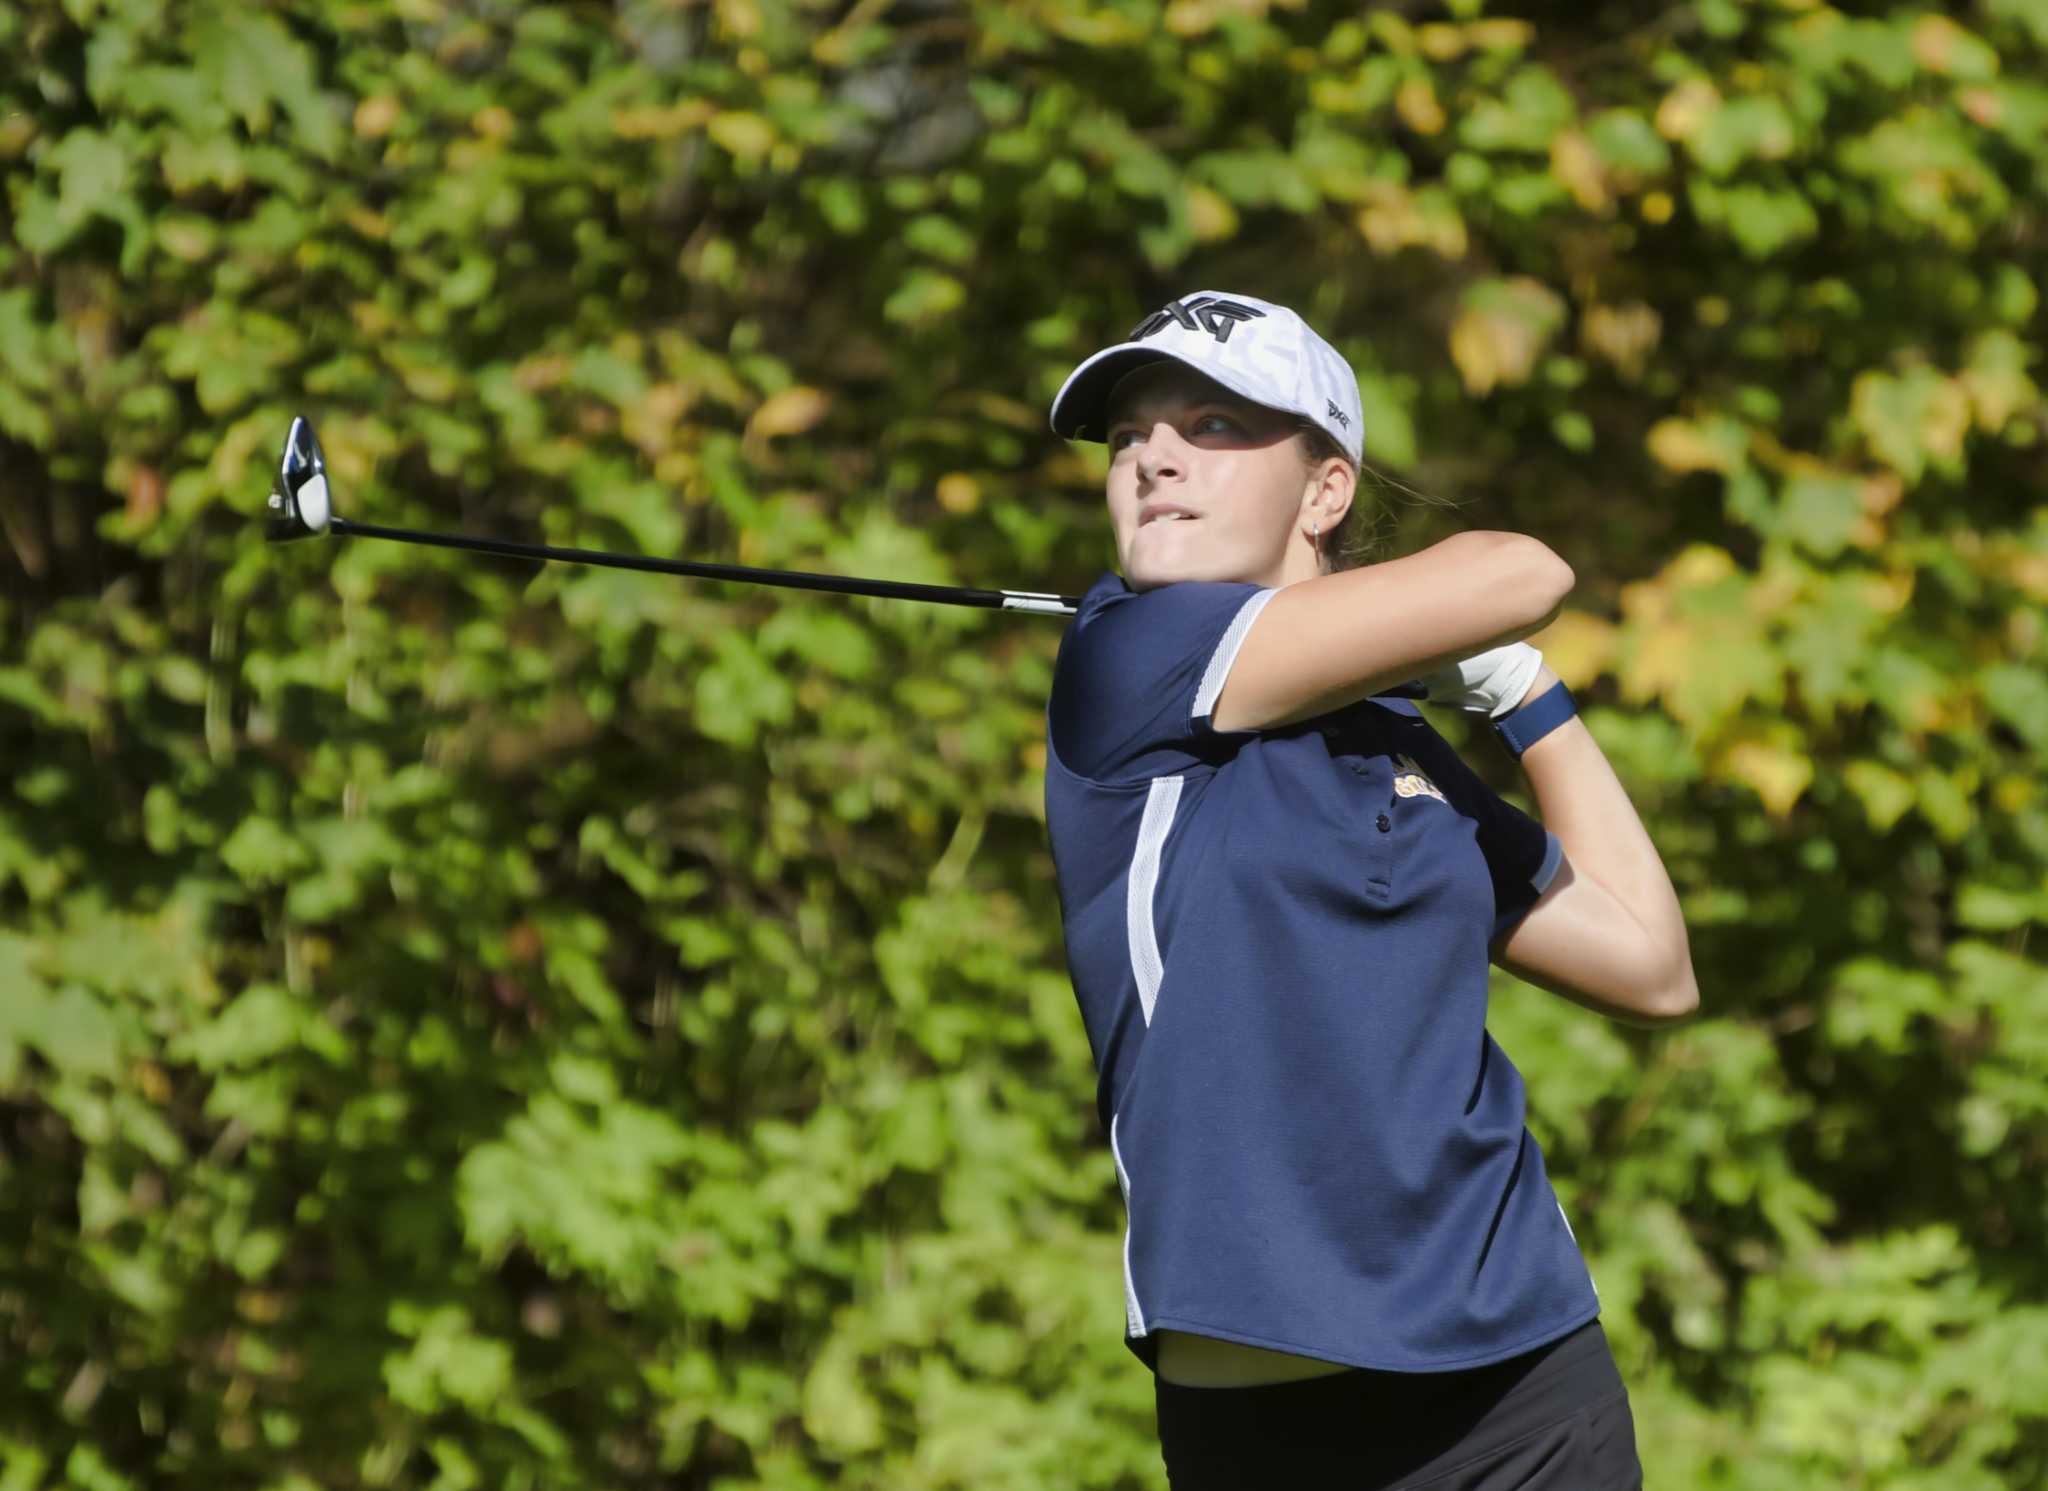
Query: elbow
{"points": [[1551, 582], [1530, 571], [1672, 1002]]}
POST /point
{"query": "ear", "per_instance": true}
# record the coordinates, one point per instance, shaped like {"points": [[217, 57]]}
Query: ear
{"points": [[1328, 494]]}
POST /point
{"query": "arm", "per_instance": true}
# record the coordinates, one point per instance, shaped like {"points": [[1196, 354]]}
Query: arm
{"points": [[1326, 642], [1608, 933]]}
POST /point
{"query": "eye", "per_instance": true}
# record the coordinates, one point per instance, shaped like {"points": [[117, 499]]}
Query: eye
{"points": [[1118, 439], [1215, 424]]}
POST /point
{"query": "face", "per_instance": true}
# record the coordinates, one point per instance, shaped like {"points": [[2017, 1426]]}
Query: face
{"points": [[1204, 485]]}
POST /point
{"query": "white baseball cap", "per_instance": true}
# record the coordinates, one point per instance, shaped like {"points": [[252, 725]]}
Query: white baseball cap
{"points": [[1257, 350]]}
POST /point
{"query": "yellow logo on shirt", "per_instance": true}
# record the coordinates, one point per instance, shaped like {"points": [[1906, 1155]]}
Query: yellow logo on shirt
{"points": [[1413, 781]]}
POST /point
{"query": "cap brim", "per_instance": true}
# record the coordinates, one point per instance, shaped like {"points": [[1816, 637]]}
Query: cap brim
{"points": [[1080, 411]]}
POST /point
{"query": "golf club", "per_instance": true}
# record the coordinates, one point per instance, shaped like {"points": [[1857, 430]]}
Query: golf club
{"points": [[302, 505]]}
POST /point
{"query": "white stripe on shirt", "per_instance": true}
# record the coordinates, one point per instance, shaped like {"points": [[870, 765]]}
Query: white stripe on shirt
{"points": [[1218, 671], [1147, 967]]}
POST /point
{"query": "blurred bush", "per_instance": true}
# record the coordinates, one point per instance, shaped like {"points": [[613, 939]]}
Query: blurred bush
{"points": [[470, 1024]]}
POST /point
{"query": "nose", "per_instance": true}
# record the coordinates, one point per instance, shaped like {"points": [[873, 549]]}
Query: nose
{"points": [[1160, 455]]}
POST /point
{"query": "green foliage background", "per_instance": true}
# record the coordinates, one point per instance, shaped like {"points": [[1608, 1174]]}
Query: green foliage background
{"points": [[467, 1024]]}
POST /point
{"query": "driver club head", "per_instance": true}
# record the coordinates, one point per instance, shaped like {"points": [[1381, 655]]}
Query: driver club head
{"points": [[299, 505]]}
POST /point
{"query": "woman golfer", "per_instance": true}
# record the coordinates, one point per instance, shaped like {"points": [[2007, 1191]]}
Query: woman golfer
{"points": [[1281, 891]]}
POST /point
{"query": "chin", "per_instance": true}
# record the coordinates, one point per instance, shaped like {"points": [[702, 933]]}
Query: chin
{"points": [[1148, 571], [1145, 570]]}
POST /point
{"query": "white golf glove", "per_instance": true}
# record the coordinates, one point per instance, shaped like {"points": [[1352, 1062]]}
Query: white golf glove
{"points": [[1490, 683]]}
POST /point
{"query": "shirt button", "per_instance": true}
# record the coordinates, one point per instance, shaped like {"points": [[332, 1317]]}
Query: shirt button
{"points": [[1385, 824]]}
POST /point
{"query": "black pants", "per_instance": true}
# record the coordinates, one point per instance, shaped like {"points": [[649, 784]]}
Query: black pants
{"points": [[1555, 1419]]}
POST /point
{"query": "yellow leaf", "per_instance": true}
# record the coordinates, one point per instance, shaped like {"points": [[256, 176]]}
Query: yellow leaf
{"points": [[1625, 335], [1983, 105], [1947, 420], [1881, 492], [1441, 42], [1578, 646], [16, 131], [678, 469], [2014, 793], [790, 412], [1392, 219], [1885, 794], [1937, 40], [1686, 108], [661, 121], [1659, 647], [740, 18], [1887, 594], [1574, 162], [839, 47], [743, 135], [1996, 380], [534, 374], [1773, 768], [1698, 566], [186, 238], [959, 493], [1501, 35], [1210, 215], [369, 224], [376, 115], [1655, 663], [2029, 571], [1192, 17], [998, 408], [1683, 446], [1502, 330], [1416, 104], [429, 381], [650, 422]]}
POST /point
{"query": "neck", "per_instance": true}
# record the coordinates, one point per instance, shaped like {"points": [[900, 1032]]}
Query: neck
{"points": [[1300, 562]]}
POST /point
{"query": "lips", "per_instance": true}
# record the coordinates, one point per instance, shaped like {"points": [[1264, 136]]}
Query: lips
{"points": [[1164, 512]]}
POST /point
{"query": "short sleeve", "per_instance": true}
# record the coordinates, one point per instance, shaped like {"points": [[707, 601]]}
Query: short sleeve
{"points": [[1522, 856], [1139, 674]]}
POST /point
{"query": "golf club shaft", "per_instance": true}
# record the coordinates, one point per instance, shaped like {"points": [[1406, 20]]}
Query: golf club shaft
{"points": [[947, 595]]}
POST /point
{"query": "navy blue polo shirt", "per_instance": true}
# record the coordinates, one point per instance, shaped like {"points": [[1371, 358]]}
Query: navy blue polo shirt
{"points": [[1279, 940]]}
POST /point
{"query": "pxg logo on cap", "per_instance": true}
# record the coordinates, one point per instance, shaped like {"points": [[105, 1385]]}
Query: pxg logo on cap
{"points": [[1204, 313]]}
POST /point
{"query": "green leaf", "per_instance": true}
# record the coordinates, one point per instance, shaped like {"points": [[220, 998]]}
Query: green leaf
{"points": [[940, 237], [1819, 512], [1743, 129], [1532, 108], [261, 852], [261, 1023], [1912, 420], [2018, 695], [74, 1031], [1762, 220], [252, 63], [93, 175], [924, 297], [740, 693], [1626, 141]]}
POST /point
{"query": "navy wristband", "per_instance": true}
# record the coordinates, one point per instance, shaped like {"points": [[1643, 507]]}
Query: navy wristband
{"points": [[1536, 719]]}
